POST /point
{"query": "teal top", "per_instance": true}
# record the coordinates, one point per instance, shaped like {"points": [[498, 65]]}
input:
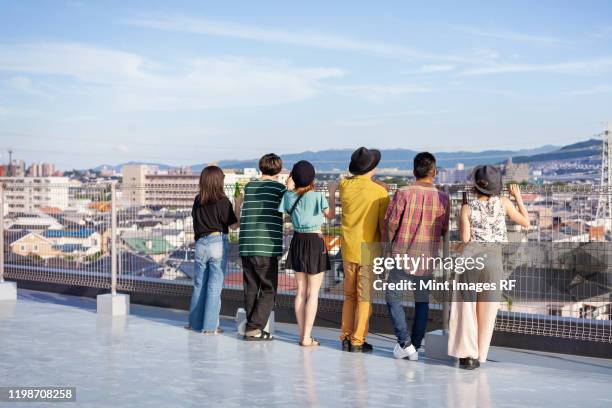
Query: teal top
{"points": [[308, 214]]}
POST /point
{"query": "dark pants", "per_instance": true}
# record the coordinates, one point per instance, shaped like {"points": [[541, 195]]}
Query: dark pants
{"points": [[396, 310], [260, 283]]}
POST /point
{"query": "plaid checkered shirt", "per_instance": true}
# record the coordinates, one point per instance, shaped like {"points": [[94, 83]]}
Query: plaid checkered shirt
{"points": [[415, 221]]}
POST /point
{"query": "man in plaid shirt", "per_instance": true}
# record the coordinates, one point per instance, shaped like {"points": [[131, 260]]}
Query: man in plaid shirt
{"points": [[416, 219]]}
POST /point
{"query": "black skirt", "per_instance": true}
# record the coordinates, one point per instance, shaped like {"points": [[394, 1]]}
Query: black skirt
{"points": [[307, 253]]}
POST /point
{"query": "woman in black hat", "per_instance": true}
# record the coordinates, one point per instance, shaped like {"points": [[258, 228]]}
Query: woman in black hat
{"points": [[307, 252], [482, 221]]}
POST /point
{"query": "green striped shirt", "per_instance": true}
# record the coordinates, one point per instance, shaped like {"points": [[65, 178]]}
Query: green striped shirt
{"points": [[261, 224]]}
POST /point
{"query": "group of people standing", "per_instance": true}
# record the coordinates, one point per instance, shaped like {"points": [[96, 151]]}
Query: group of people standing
{"points": [[412, 223]]}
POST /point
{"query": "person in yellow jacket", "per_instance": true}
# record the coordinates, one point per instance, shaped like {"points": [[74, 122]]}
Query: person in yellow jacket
{"points": [[364, 203]]}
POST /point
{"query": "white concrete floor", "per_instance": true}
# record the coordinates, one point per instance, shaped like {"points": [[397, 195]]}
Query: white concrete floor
{"points": [[148, 359]]}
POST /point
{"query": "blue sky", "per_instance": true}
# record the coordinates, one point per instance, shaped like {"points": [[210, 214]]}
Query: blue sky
{"points": [[184, 82]]}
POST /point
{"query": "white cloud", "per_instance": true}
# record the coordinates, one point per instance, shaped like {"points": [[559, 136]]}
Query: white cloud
{"points": [[130, 81], [357, 122], [511, 36], [179, 23], [437, 68], [601, 89], [431, 69], [122, 148], [375, 93], [24, 85], [586, 67], [382, 118]]}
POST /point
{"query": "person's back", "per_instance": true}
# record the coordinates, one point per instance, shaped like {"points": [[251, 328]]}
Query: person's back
{"points": [[419, 215], [487, 220], [307, 216], [364, 203], [260, 243], [261, 225], [482, 221], [212, 216], [415, 221]]}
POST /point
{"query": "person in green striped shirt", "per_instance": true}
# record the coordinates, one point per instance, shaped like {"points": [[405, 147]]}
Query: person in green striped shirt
{"points": [[261, 243]]}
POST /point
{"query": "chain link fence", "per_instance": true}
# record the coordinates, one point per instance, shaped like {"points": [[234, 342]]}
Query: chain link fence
{"points": [[66, 233]]}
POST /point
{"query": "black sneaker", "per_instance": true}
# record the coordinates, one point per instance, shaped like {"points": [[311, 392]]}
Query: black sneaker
{"points": [[346, 345], [468, 363], [363, 348]]}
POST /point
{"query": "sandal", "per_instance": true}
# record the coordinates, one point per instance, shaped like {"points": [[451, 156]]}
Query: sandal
{"points": [[187, 327], [313, 343], [263, 336]]}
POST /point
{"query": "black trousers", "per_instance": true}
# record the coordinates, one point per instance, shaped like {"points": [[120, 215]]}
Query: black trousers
{"points": [[260, 284]]}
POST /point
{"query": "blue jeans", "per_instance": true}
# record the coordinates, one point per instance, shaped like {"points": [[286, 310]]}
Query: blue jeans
{"points": [[396, 310], [208, 274]]}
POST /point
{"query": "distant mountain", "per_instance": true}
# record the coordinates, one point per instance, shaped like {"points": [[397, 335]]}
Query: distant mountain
{"points": [[118, 167], [328, 160], [581, 150], [338, 159]]}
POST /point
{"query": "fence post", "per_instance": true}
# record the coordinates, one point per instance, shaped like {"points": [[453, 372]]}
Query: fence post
{"points": [[8, 290], [114, 304], [436, 342], [1, 232], [445, 254], [113, 248]]}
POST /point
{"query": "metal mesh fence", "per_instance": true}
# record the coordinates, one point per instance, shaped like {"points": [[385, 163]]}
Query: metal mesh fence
{"points": [[63, 234]]}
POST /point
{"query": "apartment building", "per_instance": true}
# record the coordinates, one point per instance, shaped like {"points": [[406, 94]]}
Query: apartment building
{"points": [[147, 185], [516, 173], [41, 170], [30, 194]]}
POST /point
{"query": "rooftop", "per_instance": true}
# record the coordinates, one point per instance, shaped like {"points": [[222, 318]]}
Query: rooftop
{"points": [[148, 359]]}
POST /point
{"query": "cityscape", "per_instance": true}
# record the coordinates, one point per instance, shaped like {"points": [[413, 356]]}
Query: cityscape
{"points": [[61, 221], [306, 204]]}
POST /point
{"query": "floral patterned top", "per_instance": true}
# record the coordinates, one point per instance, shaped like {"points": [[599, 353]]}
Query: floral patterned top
{"points": [[488, 220]]}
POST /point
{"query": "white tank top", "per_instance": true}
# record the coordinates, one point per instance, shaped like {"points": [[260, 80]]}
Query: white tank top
{"points": [[488, 220]]}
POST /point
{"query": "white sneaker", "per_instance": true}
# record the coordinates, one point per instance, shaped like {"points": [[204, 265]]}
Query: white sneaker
{"points": [[408, 352]]}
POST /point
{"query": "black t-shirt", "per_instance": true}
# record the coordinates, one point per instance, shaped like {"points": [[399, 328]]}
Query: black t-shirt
{"points": [[215, 217]]}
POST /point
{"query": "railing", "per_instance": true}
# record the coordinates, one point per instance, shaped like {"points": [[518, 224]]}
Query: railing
{"points": [[79, 235]]}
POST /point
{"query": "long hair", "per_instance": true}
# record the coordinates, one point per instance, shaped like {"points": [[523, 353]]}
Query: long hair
{"points": [[303, 190], [211, 185]]}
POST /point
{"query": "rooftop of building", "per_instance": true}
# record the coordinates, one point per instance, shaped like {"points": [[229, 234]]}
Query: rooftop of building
{"points": [[148, 359]]}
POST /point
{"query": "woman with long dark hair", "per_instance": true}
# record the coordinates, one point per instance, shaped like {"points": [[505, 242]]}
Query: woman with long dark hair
{"points": [[307, 256], [213, 215]]}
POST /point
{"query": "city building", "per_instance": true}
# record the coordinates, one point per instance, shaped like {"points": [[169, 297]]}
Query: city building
{"points": [[147, 185], [456, 175], [56, 242], [144, 185], [16, 168], [41, 170], [33, 222], [517, 173], [34, 244], [28, 194]]}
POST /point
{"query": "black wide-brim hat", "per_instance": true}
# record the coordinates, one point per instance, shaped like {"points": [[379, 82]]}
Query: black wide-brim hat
{"points": [[487, 179], [363, 160]]}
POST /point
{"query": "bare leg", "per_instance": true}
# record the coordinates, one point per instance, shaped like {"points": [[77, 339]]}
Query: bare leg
{"points": [[312, 302], [300, 300]]}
